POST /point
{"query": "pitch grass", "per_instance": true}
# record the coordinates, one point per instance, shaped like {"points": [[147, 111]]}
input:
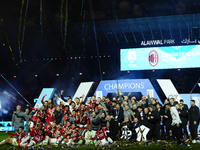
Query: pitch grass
{"points": [[3, 136]]}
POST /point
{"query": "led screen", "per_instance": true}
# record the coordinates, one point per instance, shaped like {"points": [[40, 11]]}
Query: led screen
{"points": [[168, 57]]}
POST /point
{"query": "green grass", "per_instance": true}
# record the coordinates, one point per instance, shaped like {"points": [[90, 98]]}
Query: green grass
{"points": [[120, 146]]}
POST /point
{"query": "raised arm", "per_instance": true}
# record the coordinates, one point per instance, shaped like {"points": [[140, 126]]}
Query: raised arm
{"points": [[97, 116], [42, 100], [62, 97], [82, 98], [149, 99], [30, 107]]}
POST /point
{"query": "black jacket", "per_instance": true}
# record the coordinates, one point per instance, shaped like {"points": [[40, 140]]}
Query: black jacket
{"points": [[128, 124], [58, 116], [110, 108], [136, 113], [193, 113], [136, 125], [183, 113], [156, 118], [166, 121], [120, 116], [103, 122], [62, 97], [144, 120]]}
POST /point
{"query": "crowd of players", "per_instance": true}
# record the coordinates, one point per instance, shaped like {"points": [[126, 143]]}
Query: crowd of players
{"points": [[102, 121]]}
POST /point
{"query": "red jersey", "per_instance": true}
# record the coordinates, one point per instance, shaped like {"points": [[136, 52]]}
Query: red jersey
{"points": [[50, 114], [66, 130], [42, 100], [33, 132], [83, 120], [74, 134], [74, 117], [36, 124], [83, 109], [20, 136], [58, 133], [38, 138], [100, 134], [67, 111], [51, 132], [39, 113], [95, 109]]}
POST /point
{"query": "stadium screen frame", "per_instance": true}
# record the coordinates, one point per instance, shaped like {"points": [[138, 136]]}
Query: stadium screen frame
{"points": [[165, 57]]}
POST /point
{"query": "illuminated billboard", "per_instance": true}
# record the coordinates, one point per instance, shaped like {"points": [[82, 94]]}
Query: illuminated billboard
{"points": [[169, 57]]}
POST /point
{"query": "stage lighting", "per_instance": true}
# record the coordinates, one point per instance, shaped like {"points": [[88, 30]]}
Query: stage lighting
{"points": [[99, 56], [179, 69], [60, 58], [104, 56], [108, 55], [91, 56], [55, 58], [80, 74], [83, 57], [24, 59], [71, 57], [47, 58], [153, 70], [15, 76], [79, 57], [51, 58], [128, 71], [36, 75], [104, 73], [57, 75], [75, 57]]}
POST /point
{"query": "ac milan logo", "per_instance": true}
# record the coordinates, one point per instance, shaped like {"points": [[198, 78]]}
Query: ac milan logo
{"points": [[153, 58]]}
